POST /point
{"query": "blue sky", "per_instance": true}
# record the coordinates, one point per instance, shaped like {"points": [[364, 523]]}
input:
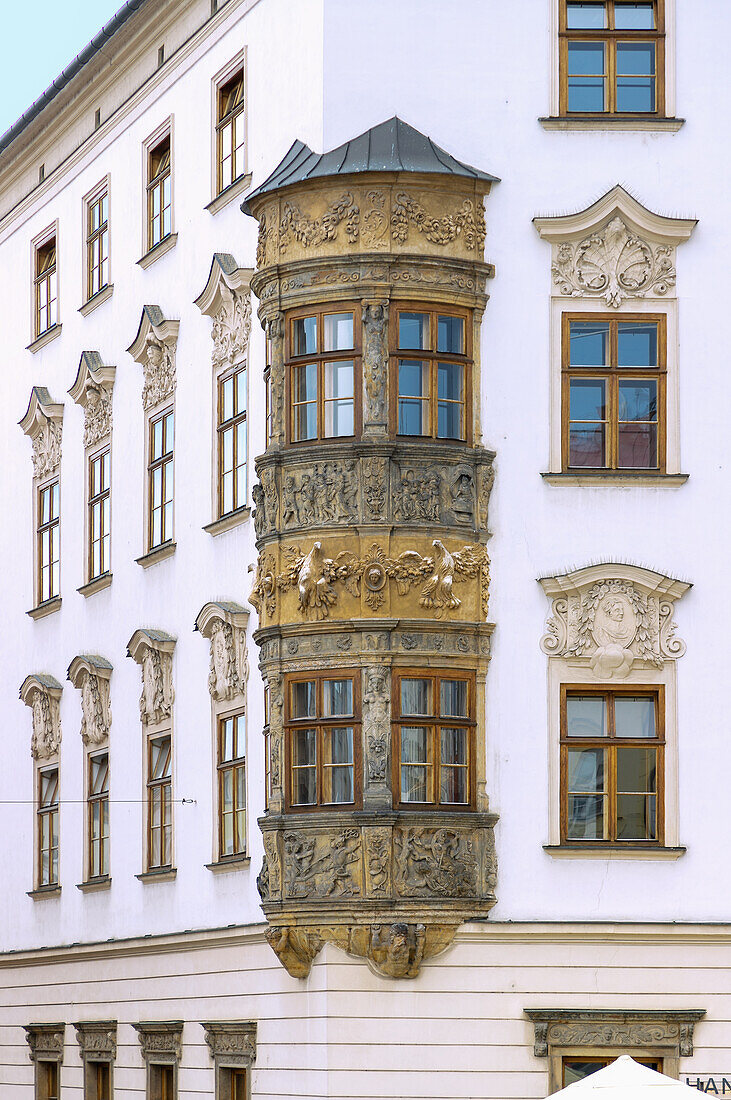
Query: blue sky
{"points": [[39, 40]]}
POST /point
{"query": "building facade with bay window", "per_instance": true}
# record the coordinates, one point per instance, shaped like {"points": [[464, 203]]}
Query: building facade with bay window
{"points": [[362, 674]]}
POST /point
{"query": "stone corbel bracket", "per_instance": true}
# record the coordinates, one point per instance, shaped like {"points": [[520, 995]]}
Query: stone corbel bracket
{"points": [[45, 1042], [226, 299], [161, 1039], [610, 616], [97, 1038], [614, 249], [231, 1042], [92, 389], [153, 650], [43, 423], [154, 348], [42, 693], [224, 625], [655, 1028], [90, 674]]}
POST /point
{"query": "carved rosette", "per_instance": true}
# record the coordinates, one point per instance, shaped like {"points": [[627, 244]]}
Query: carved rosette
{"points": [[152, 650], [42, 694]]}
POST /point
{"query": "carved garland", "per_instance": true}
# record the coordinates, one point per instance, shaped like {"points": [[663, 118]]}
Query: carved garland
{"points": [[309, 231], [644, 635], [468, 222]]}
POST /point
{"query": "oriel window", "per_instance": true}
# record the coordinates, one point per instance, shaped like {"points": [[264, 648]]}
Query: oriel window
{"points": [[159, 803], [46, 287], [160, 473], [323, 740], [98, 802], [433, 374], [99, 514], [97, 244], [324, 352], [232, 428], [49, 542], [231, 131], [612, 57], [159, 193], [48, 827], [232, 785]]}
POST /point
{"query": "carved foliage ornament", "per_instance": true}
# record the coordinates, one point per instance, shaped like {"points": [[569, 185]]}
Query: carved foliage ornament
{"points": [[45, 1041], [96, 713], [42, 694], [163, 1040], [153, 652], [224, 625], [233, 1042], [605, 1028], [231, 326], [98, 1037], [468, 222], [158, 368]]}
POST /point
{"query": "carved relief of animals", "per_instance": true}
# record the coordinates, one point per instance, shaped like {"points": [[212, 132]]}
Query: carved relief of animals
{"points": [[322, 866], [434, 861]]}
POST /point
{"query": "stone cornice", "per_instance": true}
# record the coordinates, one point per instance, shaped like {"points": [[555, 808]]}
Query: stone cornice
{"points": [[567, 227], [596, 1027], [45, 1041]]}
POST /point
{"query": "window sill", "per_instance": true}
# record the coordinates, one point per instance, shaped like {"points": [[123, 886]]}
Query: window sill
{"points": [[611, 122], [44, 892], [165, 874], [158, 554], [229, 193], [97, 299], [46, 608], [91, 884], [225, 523], [97, 585], [158, 250], [232, 863], [612, 851], [612, 479], [43, 339]]}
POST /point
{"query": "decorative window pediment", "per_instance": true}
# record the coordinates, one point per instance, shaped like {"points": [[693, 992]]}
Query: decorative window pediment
{"points": [[97, 1039], [615, 249], [160, 1041], [612, 617], [43, 423], [90, 674], [92, 389], [226, 299], [224, 624], [45, 1042], [154, 347], [42, 693], [231, 1043], [153, 652]]}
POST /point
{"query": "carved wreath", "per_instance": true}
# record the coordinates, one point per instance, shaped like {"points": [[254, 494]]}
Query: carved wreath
{"points": [[644, 633]]}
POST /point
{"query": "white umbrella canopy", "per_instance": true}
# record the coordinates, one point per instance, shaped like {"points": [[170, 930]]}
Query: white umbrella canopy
{"points": [[626, 1079]]}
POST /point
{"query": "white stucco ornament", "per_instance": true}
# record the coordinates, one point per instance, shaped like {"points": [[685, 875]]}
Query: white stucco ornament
{"points": [[153, 652], [227, 300], [154, 348], [224, 624], [42, 694]]}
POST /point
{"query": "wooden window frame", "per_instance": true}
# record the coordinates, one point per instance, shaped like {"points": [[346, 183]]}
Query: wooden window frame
{"points": [[435, 722], [47, 277], [92, 1070], [353, 354], [94, 501], [156, 184], [102, 800], [167, 462], [157, 1088], [611, 376], [235, 765], [606, 1060], [153, 785], [53, 524], [231, 117], [101, 234], [45, 1088], [611, 743], [232, 425], [43, 814], [611, 36], [267, 748], [434, 357], [320, 724]]}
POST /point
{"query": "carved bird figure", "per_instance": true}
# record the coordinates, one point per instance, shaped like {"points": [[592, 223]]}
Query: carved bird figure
{"points": [[315, 591]]}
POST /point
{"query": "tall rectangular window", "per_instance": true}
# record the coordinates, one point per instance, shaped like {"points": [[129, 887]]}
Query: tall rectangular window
{"points": [[98, 802], [160, 475], [159, 803], [323, 741], [47, 1080], [232, 441], [162, 1081], [612, 57], [433, 375], [612, 757], [99, 506], [324, 350], [97, 244], [46, 287], [159, 193], [232, 785], [48, 827], [48, 542], [98, 1081], [614, 382], [231, 131]]}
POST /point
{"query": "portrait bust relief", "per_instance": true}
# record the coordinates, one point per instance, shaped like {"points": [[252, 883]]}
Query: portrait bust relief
{"points": [[614, 628]]}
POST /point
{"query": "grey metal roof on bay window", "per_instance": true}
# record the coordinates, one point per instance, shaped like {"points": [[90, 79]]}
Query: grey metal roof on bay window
{"points": [[392, 146]]}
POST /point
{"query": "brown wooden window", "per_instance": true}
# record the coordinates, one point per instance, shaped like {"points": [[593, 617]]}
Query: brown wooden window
{"points": [[231, 131], [99, 514], [232, 785], [432, 382], [323, 740], [162, 1082], [97, 244], [232, 441], [46, 287], [613, 386], [159, 193], [233, 1085], [98, 802], [98, 1081], [48, 827], [159, 803], [434, 739], [324, 374], [612, 57], [160, 473], [47, 1081], [576, 1069], [612, 763], [49, 542]]}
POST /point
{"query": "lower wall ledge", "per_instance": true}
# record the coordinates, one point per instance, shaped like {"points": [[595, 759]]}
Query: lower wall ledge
{"points": [[580, 851], [613, 479]]}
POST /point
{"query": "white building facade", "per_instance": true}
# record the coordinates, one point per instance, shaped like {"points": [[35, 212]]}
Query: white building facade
{"points": [[281, 483]]}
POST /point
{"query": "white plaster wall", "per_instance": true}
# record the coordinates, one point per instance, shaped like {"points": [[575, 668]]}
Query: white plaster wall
{"points": [[475, 76]]}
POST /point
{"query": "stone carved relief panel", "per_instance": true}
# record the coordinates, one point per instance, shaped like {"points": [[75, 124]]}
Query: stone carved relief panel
{"points": [[97, 1039], [227, 301], [323, 865], [224, 625], [43, 424], [162, 1041], [437, 862], [152, 650], [232, 1042], [597, 1028], [154, 347], [92, 389], [45, 1042], [42, 694], [375, 365], [90, 674]]}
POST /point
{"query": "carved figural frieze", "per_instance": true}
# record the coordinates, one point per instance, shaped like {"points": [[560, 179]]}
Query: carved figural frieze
{"points": [[92, 389], [97, 1039], [42, 694], [434, 861], [154, 347], [322, 865], [224, 624], [152, 650], [226, 299], [611, 616], [43, 423], [616, 249], [325, 492], [90, 674]]}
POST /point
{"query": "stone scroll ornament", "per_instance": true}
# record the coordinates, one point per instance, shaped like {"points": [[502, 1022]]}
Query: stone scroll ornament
{"points": [[90, 675], [153, 652], [42, 694], [43, 424], [612, 620]]}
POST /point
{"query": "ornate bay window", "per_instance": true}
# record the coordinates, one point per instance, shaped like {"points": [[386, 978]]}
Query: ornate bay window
{"points": [[373, 577]]}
